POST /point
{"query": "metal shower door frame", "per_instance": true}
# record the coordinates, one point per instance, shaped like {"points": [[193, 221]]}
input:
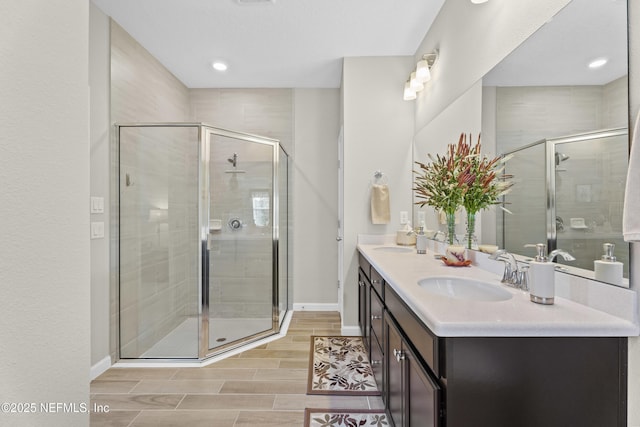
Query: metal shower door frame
{"points": [[206, 132]]}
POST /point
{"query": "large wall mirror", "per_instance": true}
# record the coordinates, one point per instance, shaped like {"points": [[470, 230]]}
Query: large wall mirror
{"points": [[567, 126]]}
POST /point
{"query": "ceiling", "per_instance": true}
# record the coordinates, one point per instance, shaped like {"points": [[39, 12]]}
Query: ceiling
{"points": [[559, 52], [269, 44]]}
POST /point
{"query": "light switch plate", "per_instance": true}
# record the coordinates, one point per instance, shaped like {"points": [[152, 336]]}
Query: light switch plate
{"points": [[97, 230], [97, 205], [404, 217]]}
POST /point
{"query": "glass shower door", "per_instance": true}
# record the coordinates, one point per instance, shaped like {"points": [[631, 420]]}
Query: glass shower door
{"points": [[158, 242], [241, 240], [590, 175], [527, 222]]}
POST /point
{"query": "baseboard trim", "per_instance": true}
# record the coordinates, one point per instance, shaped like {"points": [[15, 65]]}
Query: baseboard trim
{"points": [[100, 367], [315, 307], [351, 331]]}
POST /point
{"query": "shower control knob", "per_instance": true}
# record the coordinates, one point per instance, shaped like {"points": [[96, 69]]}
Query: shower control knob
{"points": [[235, 224]]}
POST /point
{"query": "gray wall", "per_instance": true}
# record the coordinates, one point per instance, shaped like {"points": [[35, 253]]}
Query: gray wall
{"points": [[44, 206]]}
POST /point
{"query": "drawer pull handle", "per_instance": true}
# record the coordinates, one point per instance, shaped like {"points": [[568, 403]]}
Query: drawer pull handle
{"points": [[376, 362], [360, 283], [400, 356], [375, 281], [375, 317]]}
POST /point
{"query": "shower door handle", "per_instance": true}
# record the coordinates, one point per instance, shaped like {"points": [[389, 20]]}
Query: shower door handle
{"points": [[338, 239]]}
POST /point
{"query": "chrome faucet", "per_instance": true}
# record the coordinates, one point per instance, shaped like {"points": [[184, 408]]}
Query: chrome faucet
{"points": [[513, 275], [564, 254]]}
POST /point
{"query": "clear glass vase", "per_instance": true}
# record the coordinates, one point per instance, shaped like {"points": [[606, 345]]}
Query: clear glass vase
{"points": [[470, 239], [451, 227]]}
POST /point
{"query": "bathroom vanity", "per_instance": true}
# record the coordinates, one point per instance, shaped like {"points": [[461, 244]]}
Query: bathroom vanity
{"points": [[466, 360]]}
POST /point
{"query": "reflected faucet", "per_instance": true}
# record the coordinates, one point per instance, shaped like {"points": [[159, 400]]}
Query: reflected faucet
{"points": [[564, 254], [559, 223]]}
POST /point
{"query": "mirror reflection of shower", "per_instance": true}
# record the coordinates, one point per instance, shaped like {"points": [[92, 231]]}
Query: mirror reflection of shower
{"points": [[234, 162], [233, 180], [560, 157]]}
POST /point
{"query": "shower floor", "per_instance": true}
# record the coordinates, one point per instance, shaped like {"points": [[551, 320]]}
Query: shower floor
{"points": [[182, 342]]}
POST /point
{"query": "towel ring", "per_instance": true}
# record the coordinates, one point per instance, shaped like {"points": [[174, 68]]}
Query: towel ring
{"points": [[379, 177]]}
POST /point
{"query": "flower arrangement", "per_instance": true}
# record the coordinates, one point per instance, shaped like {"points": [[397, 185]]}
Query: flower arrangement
{"points": [[462, 177]]}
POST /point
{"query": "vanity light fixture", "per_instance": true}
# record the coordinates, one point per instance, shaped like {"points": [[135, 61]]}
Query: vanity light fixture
{"points": [[479, 1], [219, 66], [421, 75]]}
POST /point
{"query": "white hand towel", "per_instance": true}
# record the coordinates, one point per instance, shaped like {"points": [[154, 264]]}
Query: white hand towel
{"points": [[380, 208], [631, 212]]}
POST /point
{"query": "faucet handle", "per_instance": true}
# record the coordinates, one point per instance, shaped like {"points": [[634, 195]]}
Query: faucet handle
{"points": [[508, 273], [523, 278]]}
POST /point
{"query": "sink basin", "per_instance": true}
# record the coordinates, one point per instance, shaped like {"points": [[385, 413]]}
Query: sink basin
{"points": [[464, 289], [393, 249]]}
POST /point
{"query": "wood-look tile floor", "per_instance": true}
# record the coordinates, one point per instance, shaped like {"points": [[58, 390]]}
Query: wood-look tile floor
{"points": [[261, 387]]}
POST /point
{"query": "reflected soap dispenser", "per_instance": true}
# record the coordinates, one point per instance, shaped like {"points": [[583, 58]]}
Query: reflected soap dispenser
{"points": [[607, 269], [542, 270], [421, 241]]}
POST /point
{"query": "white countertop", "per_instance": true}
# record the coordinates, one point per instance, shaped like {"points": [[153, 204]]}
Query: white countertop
{"points": [[518, 316]]}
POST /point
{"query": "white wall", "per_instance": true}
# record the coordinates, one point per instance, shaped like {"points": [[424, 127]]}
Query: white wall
{"points": [[315, 200], [99, 75], [378, 134], [44, 208]]}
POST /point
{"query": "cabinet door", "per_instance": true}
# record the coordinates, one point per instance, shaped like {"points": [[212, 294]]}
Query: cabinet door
{"points": [[395, 373], [377, 365], [376, 310], [422, 394], [363, 306]]}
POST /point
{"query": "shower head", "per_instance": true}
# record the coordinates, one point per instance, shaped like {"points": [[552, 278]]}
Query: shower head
{"points": [[561, 157], [233, 159]]}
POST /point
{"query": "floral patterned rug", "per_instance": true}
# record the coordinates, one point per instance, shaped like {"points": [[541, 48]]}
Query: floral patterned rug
{"points": [[344, 418], [340, 366]]}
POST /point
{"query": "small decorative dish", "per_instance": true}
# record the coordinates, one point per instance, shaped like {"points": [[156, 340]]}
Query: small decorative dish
{"points": [[465, 263]]}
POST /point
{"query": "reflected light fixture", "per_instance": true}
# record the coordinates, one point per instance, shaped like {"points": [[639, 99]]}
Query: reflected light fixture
{"points": [[219, 66], [597, 63], [421, 75], [479, 1]]}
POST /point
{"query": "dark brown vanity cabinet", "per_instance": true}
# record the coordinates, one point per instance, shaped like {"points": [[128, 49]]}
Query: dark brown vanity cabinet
{"points": [[428, 380], [370, 317], [413, 394]]}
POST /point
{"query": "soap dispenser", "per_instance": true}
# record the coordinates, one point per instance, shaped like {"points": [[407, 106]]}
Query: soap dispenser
{"points": [[607, 269], [421, 241], [542, 285]]}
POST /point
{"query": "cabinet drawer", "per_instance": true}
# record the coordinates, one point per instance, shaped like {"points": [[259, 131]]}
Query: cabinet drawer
{"points": [[426, 344], [377, 310], [364, 265], [377, 283]]}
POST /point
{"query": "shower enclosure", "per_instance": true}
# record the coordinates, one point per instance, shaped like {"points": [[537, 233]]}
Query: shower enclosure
{"points": [[203, 236], [569, 194]]}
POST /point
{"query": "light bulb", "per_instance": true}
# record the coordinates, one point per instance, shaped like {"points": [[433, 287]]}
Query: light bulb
{"points": [[409, 94], [415, 84], [422, 71]]}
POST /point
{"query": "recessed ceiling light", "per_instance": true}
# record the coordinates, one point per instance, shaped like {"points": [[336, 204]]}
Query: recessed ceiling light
{"points": [[219, 66], [597, 63]]}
